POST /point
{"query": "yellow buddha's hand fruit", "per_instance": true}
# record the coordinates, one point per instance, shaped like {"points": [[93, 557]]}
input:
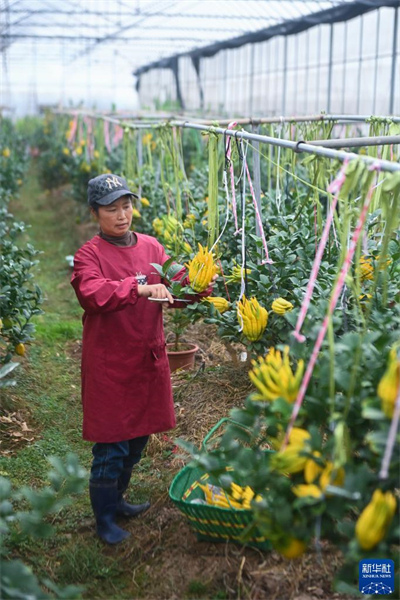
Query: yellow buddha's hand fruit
{"points": [[374, 521], [331, 476], [202, 269], [274, 378], [290, 459], [220, 304], [237, 274], [302, 490], [312, 470], [366, 268], [389, 385], [252, 317], [280, 306], [158, 226], [291, 548], [136, 214], [20, 349], [187, 248]]}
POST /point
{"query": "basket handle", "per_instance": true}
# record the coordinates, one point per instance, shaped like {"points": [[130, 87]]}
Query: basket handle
{"points": [[218, 425]]}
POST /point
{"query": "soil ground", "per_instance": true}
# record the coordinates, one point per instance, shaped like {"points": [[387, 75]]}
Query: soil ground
{"points": [[162, 560]]}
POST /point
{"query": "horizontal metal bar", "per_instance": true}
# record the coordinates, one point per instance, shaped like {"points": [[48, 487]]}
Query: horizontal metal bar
{"points": [[298, 147], [96, 38], [384, 165], [265, 120], [341, 119], [357, 142]]}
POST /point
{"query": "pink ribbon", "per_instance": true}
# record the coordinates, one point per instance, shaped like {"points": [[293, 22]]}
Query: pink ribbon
{"points": [[332, 304], [334, 188], [80, 130], [118, 135], [258, 217], [107, 136], [89, 138], [72, 131]]}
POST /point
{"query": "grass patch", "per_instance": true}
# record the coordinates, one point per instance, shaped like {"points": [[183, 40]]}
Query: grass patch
{"points": [[83, 563], [58, 331]]}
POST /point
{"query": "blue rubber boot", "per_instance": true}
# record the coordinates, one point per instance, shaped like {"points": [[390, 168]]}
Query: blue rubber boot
{"points": [[123, 508], [104, 497]]}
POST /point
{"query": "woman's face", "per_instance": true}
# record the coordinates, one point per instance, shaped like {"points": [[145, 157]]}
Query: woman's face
{"points": [[116, 218]]}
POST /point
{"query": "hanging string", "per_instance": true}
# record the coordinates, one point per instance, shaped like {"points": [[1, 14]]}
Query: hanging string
{"points": [[383, 473], [225, 180], [334, 234], [223, 279], [107, 136], [80, 133], [304, 181], [228, 153], [335, 188], [72, 131], [315, 228], [332, 304], [118, 135], [243, 273], [278, 190], [267, 259]]}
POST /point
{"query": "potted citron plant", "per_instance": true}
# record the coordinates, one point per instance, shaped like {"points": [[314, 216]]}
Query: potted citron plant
{"points": [[186, 290]]}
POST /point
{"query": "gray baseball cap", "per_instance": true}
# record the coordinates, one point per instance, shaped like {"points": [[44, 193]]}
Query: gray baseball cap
{"points": [[107, 188]]}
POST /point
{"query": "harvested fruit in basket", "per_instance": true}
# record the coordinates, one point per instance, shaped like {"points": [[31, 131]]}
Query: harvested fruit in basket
{"points": [[239, 498]]}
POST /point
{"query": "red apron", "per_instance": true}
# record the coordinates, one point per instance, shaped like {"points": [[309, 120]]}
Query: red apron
{"points": [[126, 387]]}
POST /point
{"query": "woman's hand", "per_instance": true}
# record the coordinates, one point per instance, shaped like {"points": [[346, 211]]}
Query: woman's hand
{"points": [[210, 288], [157, 290]]}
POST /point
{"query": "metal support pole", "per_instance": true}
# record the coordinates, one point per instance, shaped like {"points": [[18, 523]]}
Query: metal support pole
{"points": [[384, 165], [378, 24], [344, 66], [297, 147], [357, 142], [251, 80], [284, 76], [360, 63], [328, 104], [305, 103], [295, 85], [158, 117], [276, 111], [394, 58], [225, 90], [140, 162]]}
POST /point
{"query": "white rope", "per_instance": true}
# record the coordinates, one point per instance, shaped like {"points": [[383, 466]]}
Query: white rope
{"points": [[278, 195]]}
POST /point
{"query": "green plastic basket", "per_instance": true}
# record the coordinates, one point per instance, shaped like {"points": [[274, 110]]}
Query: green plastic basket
{"points": [[213, 523]]}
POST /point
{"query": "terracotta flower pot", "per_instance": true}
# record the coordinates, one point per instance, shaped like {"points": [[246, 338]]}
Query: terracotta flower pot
{"points": [[181, 359]]}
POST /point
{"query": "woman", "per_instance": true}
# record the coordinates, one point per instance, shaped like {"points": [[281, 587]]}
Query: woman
{"points": [[126, 388]]}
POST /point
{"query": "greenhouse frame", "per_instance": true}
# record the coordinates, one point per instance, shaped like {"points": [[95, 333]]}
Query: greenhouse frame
{"points": [[249, 58], [199, 299]]}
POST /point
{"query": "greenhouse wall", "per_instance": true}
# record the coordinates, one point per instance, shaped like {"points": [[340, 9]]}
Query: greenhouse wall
{"points": [[341, 68]]}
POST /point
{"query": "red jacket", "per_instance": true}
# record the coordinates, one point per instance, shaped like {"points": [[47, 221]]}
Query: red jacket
{"points": [[126, 387]]}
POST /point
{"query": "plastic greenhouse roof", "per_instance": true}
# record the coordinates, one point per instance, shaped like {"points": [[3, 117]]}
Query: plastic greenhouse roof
{"points": [[73, 51], [145, 31]]}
